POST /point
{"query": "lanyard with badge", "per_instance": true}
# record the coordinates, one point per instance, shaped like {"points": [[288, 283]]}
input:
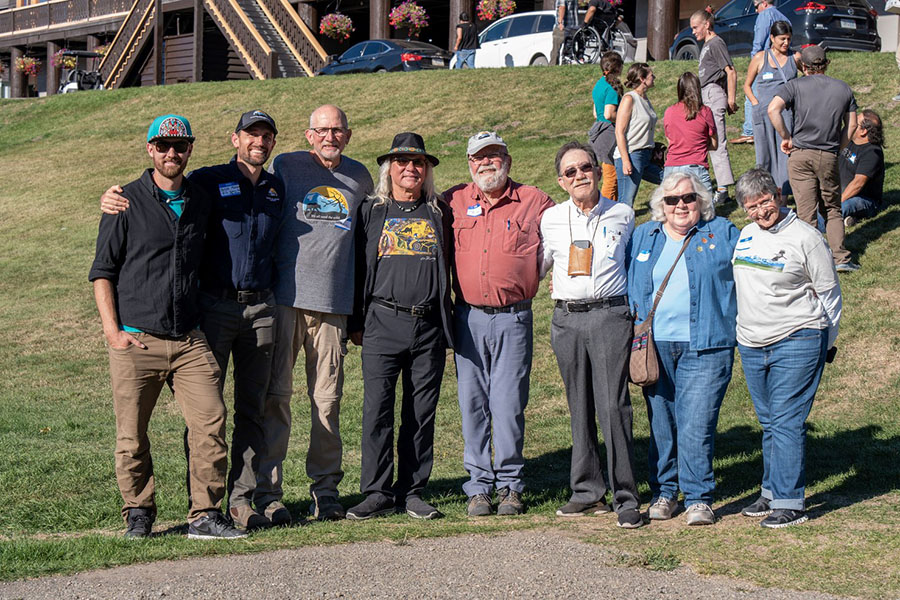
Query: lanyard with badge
{"points": [[581, 252]]}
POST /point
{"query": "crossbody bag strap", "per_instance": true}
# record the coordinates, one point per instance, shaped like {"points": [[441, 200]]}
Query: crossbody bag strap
{"points": [[665, 282]]}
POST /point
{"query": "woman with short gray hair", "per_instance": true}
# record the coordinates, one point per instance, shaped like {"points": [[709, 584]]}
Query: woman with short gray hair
{"points": [[788, 311], [693, 327]]}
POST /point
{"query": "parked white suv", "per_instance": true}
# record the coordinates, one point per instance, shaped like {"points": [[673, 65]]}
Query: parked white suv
{"points": [[518, 40]]}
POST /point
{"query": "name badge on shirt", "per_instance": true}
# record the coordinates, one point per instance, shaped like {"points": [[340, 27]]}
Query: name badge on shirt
{"points": [[229, 189], [743, 244], [768, 76], [644, 256], [474, 211]]}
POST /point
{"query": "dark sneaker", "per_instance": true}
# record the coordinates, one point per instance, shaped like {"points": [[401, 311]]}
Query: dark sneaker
{"points": [[278, 514], [140, 523], [325, 507], [419, 509], [849, 221], [244, 517], [510, 502], [720, 197], [700, 514], [214, 526], [784, 517], [847, 267], [630, 518], [760, 508], [479, 506], [663, 509], [578, 509], [375, 505]]}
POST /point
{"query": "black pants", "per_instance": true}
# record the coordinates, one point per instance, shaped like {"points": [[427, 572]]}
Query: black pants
{"points": [[396, 344]]}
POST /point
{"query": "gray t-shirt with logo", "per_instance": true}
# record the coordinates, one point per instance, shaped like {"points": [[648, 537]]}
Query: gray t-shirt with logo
{"points": [[314, 251], [820, 103]]}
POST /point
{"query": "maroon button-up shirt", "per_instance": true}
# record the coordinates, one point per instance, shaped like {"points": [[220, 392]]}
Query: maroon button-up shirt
{"points": [[498, 246]]}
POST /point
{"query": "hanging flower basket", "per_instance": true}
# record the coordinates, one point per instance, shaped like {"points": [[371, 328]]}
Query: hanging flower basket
{"points": [[102, 50], [58, 60], [336, 26], [28, 65], [488, 10], [408, 15]]}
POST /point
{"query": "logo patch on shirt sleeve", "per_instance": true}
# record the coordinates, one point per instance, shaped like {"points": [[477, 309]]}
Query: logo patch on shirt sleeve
{"points": [[229, 189]]}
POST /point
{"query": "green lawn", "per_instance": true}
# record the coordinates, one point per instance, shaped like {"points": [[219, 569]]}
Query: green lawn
{"points": [[59, 505]]}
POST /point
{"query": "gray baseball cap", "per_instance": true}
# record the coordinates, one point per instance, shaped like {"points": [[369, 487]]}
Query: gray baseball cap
{"points": [[483, 139]]}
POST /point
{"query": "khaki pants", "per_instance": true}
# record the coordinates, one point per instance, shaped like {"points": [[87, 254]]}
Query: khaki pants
{"points": [[319, 335], [816, 184], [138, 375]]}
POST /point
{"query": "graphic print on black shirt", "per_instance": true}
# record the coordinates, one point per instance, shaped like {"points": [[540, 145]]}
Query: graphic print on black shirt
{"points": [[407, 258]]}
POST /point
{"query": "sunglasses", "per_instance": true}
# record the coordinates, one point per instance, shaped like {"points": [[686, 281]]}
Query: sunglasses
{"points": [[180, 146], [573, 170], [402, 161], [688, 198]]}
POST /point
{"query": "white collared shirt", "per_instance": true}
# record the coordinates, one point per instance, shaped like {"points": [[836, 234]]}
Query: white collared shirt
{"points": [[609, 225]]}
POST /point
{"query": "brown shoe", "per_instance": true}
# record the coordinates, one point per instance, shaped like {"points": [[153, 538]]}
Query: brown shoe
{"points": [[510, 502], [744, 139]]}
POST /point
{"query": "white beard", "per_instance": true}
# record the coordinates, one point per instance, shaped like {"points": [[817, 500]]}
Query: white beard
{"points": [[489, 180]]}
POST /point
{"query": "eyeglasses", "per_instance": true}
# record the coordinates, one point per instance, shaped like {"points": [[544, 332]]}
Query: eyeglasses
{"points": [[489, 156], [688, 198], [402, 161], [180, 146], [324, 131], [573, 170], [767, 203]]}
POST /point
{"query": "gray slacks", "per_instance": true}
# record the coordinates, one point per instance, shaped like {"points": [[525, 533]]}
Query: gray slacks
{"points": [[714, 97]]}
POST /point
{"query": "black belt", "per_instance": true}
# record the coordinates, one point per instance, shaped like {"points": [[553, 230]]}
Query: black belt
{"points": [[575, 306], [416, 311], [510, 308], [240, 296]]}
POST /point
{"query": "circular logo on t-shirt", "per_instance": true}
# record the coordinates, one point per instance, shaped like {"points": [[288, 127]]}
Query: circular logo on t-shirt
{"points": [[325, 204]]}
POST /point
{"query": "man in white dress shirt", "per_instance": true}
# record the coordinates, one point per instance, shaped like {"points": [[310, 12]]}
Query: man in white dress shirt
{"points": [[584, 243]]}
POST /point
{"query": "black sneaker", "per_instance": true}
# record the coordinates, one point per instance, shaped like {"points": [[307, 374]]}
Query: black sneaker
{"points": [[278, 514], [419, 509], [214, 526], [325, 507], [784, 517], [140, 523], [375, 505], [630, 518], [579, 509], [760, 508], [479, 506], [510, 502], [244, 517]]}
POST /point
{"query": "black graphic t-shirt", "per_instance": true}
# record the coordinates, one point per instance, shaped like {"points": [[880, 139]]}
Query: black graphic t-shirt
{"points": [[407, 257], [863, 159]]}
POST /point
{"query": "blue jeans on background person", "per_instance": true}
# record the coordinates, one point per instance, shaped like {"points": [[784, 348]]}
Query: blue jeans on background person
{"points": [[700, 171], [782, 379], [464, 57], [683, 409], [641, 168], [860, 207]]}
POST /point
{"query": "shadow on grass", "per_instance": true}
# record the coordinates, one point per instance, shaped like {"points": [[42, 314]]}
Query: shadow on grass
{"points": [[870, 230]]}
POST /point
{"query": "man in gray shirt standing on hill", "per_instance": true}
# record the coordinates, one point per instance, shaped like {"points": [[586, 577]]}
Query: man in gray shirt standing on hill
{"points": [[824, 122], [314, 295]]}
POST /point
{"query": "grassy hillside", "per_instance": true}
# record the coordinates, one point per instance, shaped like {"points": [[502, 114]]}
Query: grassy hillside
{"points": [[59, 505]]}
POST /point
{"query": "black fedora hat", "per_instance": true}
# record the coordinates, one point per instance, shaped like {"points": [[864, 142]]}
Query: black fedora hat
{"points": [[408, 143]]}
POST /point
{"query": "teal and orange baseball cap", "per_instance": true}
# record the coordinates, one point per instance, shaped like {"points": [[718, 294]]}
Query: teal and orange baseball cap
{"points": [[170, 127]]}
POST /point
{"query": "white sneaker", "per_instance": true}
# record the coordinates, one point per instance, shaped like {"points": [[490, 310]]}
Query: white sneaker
{"points": [[700, 514], [663, 509]]}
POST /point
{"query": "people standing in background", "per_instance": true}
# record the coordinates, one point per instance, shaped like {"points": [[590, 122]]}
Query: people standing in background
{"points": [[602, 136], [566, 24], [635, 125], [690, 131], [466, 42]]}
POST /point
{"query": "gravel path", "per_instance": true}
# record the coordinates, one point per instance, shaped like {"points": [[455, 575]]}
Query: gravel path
{"points": [[526, 564]]}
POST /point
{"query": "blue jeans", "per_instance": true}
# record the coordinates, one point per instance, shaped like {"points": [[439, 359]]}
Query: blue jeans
{"points": [[641, 168], [462, 57], [683, 409], [701, 172], [782, 379], [860, 207]]}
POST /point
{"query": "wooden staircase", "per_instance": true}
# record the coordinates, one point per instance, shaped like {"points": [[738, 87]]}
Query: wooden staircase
{"points": [[132, 36]]}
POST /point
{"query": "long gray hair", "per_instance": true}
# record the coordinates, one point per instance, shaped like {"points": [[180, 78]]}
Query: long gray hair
{"points": [[704, 198], [384, 188]]}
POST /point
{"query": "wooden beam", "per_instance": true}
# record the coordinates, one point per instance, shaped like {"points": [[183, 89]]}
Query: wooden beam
{"points": [[52, 72], [308, 13], [662, 24], [16, 77], [456, 7], [549, 5], [197, 71], [378, 19], [158, 47]]}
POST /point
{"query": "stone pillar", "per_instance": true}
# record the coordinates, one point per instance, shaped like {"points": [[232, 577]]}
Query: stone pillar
{"points": [[378, 19], [306, 9], [198, 41], [53, 73], [662, 23], [16, 77]]}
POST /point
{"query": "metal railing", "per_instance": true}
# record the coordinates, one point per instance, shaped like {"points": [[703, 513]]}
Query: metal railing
{"points": [[57, 12], [303, 44], [253, 50]]}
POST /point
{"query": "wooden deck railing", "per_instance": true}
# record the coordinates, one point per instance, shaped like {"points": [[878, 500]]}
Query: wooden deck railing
{"points": [[57, 12], [133, 31], [253, 50], [303, 44]]}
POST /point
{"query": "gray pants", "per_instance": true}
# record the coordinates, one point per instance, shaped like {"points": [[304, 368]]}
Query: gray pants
{"points": [[714, 97], [592, 351], [493, 367]]}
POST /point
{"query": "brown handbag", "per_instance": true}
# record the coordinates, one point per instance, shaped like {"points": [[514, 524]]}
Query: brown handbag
{"points": [[643, 364]]}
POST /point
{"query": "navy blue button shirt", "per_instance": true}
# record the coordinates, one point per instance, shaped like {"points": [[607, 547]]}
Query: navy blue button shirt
{"points": [[240, 242]]}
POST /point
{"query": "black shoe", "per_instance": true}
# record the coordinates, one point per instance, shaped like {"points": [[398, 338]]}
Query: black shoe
{"points": [[419, 509], [375, 505], [244, 517], [479, 506], [630, 518], [278, 514], [720, 197], [140, 523], [760, 508], [510, 502], [578, 509], [214, 526], [784, 517], [325, 507]]}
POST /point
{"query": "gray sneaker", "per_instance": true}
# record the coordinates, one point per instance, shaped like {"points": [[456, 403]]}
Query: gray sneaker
{"points": [[325, 507], [847, 267], [214, 526], [579, 509], [140, 523], [700, 514], [663, 509], [479, 506], [419, 509], [375, 505], [720, 197], [510, 502], [760, 508]]}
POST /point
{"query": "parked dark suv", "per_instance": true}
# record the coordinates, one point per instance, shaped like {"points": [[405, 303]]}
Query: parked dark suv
{"points": [[833, 24]]}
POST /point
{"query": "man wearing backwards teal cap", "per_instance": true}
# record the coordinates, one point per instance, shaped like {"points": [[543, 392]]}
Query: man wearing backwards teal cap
{"points": [[144, 276]]}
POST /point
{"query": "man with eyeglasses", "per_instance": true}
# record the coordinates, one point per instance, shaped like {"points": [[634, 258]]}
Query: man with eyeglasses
{"points": [[144, 275], [584, 244], [314, 296], [496, 224], [237, 306]]}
